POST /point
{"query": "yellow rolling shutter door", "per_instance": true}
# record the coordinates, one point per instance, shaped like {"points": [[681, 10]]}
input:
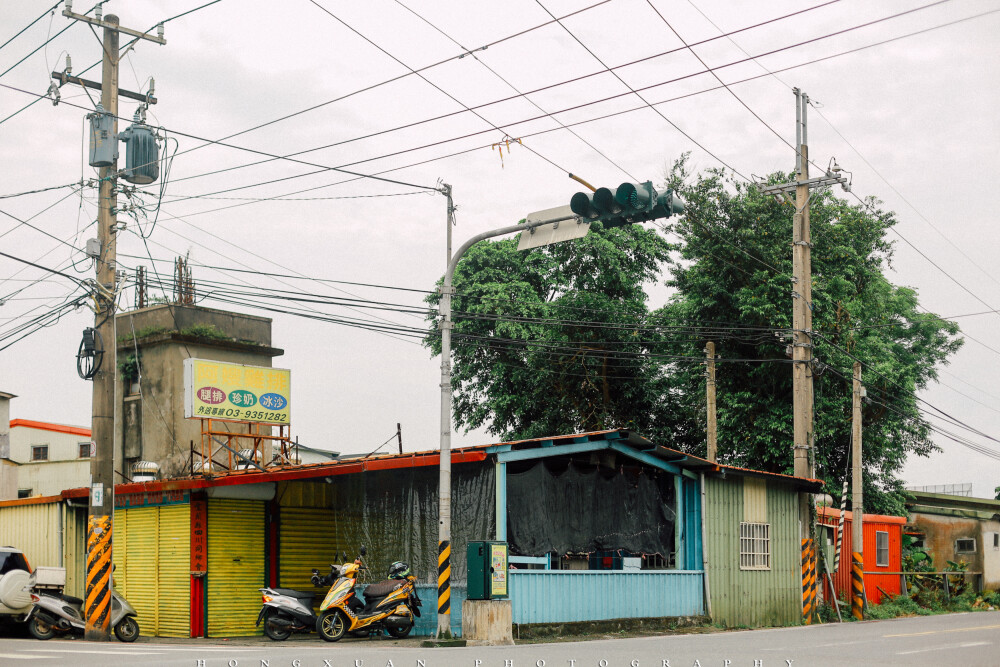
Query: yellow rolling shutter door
{"points": [[174, 571], [141, 566], [306, 541], [236, 545], [151, 554]]}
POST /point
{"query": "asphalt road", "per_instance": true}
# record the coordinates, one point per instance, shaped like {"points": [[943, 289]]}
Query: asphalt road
{"points": [[956, 639]]}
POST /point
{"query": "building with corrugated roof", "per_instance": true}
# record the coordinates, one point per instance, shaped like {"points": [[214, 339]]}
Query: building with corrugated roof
{"points": [[600, 525]]}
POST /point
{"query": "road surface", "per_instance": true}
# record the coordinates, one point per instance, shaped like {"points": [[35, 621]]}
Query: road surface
{"points": [[971, 640]]}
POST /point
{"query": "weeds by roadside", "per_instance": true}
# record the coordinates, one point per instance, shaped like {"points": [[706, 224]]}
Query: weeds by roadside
{"points": [[924, 602]]}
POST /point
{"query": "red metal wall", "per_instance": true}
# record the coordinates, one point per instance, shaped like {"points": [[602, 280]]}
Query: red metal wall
{"points": [[872, 523]]}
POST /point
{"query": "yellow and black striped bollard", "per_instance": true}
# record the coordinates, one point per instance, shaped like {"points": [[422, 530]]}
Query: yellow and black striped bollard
{"points": [[97, 606]]}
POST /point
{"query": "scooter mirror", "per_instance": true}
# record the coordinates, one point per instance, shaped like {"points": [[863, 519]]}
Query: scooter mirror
{"points": [[364, 552]]}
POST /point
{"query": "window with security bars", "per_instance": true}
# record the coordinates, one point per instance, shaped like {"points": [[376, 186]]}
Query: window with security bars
{"points": [[755, 546], [881, 548]]}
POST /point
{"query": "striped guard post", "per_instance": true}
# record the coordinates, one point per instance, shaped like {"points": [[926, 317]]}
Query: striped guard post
{"points": [[808, 581], [97, 606], [444, 577], [857, 587], [840, 526]]}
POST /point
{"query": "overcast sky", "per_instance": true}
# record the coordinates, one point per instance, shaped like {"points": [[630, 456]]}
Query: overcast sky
{"points": [[913, 119]]}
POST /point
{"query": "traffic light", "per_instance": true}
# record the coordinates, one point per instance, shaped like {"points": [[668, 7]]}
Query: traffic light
{"points": [[629, 204]]}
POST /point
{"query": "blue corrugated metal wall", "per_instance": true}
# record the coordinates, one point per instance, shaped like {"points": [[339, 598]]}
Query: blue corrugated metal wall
{"points": [[426, 625], [560, 596]]}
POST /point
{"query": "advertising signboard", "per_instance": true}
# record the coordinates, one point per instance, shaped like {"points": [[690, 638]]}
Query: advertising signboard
{"points": [[235, 392]]}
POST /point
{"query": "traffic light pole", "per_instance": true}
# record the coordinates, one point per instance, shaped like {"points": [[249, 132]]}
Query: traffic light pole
{"points": [[97, 601], [444, 489]]}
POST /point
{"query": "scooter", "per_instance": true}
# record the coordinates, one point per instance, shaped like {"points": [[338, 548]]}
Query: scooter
{"points": [[391, 605], [53, 613], [287, 610]]}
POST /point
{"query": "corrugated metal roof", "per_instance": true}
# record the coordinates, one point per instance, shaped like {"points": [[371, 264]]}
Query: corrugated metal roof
{"points": [[355, 464]]}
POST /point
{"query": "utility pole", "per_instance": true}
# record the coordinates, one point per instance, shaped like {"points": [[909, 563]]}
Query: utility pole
{"points": [[97, 602], [857, 487], [803, 439], [802, 347], [444, 481], [710, 397]]}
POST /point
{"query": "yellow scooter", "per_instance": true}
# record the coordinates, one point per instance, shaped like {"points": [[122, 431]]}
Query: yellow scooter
{"points": [[391, 605]]}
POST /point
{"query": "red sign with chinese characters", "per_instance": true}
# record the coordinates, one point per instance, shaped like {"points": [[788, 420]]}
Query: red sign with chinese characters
{"points": [[199, 536]]}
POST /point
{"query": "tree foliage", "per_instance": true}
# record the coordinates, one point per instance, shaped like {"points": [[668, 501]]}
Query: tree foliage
{"points": [[551, 340], [735, 270], [561, 339]]}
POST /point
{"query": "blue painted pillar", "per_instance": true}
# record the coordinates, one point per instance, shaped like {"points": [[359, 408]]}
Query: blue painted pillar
{"points": [[501, 508], [680, 527]]}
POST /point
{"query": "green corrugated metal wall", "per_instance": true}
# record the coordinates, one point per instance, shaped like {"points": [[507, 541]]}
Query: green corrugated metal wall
{"points": [[753, 597], [236, 546]]}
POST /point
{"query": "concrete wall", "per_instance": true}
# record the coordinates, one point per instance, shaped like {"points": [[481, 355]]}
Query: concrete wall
{"points": [[941, 533], [151, 424], [62, 446], [53, 477]]}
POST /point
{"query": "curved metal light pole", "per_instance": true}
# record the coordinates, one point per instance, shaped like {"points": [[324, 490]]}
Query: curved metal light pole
{"points": [[444, 488]]}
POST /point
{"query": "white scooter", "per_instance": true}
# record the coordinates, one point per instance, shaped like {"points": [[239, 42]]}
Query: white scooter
{"points": [[54, 613]]}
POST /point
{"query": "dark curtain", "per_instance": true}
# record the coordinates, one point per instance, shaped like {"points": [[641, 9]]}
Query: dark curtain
{"points": [[576, 508], [394, 513]]}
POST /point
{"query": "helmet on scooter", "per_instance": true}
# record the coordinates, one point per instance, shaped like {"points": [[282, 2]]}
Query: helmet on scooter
{"points": [[399, 570]]}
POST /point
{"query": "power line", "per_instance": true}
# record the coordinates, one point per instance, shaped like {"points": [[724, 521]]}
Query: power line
{"points": [[21, 31], [515, 89], [432, 84], [578, 106], [390, 80]]}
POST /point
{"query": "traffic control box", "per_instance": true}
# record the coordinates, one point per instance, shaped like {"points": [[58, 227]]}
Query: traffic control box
{"points": [[487, 567]]}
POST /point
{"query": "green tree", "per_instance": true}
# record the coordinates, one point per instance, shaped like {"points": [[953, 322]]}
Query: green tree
{"points": [[734, 271], [555, 340], [560, 339]]}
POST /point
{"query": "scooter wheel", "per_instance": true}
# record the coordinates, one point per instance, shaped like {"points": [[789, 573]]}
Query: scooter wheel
{"points": [[398, 632], [127, 629], [274, 632], [39, 629], [331, 625]]}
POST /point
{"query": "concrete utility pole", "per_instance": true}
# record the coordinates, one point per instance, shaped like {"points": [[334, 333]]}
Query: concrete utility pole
{"points": [[444, 481], [710, 398], [97, 601], [857, 487]]}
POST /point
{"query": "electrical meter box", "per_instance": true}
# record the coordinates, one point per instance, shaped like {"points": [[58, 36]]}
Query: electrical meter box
{"points": [[487, 567]]}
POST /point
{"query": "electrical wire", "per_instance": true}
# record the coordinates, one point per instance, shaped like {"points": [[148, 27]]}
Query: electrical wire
{"points": [[434, 85], [515, 89]]}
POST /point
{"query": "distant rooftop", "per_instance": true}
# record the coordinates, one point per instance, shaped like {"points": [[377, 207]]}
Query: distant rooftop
{"points": [[946, 489], [48, 426]]}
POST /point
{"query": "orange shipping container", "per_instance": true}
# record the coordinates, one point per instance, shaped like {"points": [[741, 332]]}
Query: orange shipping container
{"points": [[883, 542]]}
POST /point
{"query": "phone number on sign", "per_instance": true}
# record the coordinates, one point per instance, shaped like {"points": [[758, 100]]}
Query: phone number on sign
{"points": [[240, 413]]}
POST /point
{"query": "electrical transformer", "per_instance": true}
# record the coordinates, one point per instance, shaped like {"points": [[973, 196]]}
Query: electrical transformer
{"points": [[142, 154], [103, 146]]}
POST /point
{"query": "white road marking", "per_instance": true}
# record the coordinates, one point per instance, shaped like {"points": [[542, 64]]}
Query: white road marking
{"points": [[945, 648], [21, 656], [123, 651]]}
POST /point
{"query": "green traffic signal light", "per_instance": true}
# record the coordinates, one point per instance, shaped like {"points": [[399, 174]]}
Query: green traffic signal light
{"points": [[630, 203]]}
